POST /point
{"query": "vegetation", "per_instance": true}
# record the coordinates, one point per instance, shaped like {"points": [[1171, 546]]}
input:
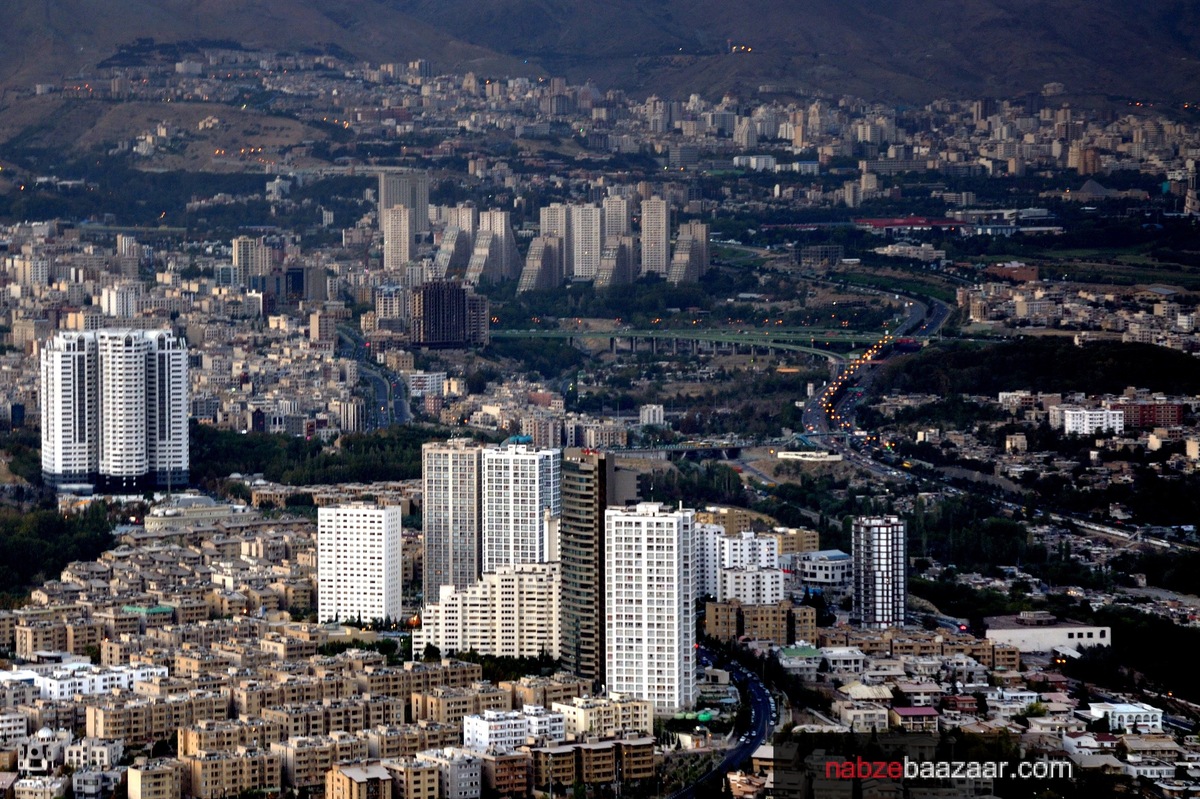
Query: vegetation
{"points": [[497, 668], [38, 544], [392, 454], [1051, 364]]}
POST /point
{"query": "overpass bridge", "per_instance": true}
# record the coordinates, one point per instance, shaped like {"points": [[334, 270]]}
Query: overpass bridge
{"points": [[810, 340]]}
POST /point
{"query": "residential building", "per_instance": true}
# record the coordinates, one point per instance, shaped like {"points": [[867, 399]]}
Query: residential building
{"points": [[359, 562], [450, 514], [409, 188], [880, 571], [520, 493], [114, 406], [656, 237], [511, 612], [650, 592]]}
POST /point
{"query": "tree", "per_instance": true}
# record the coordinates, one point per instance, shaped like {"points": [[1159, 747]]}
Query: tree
{"points": [[431, 654]]}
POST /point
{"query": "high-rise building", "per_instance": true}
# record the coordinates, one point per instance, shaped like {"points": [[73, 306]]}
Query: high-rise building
{"points": [[879, 551], [450, 514], [656, 237], [115, 409], [650, 618], [556, 221], [521, 498], [504, 245], [359, 570], [587, 239], [397, 224], [446, 314], [616, 217], [586, 480], [251, 258], [410, 189]]}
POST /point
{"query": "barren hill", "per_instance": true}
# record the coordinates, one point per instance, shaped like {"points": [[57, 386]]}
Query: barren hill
{"points": [[905, 50]]}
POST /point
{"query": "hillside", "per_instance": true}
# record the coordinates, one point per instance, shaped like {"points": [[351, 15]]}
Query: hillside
{"points": [[905, 50]]}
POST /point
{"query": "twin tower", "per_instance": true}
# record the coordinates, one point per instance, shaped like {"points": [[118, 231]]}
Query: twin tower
{"points": [[114, 407]]}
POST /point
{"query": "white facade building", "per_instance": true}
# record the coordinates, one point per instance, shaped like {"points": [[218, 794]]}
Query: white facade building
{"points": [[1089, 421], [398, 242], [114, 406], [358, 562], [460, 772], [450, 514], [880, 571], [656, 236], [520, 487], [1126, 717], [751, 585], [91, 680], [505, 730], [587, 239], [652, 415], [512, 612], [650, 593]]}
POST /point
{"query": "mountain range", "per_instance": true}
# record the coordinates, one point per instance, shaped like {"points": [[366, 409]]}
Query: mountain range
{"points": [[900, 50]]}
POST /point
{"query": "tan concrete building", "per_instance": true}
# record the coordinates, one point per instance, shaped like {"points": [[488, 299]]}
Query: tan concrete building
{"points": [[606, 716], [155, 779], [365, 780], [452, 705], [412, 779], [217, 775]]}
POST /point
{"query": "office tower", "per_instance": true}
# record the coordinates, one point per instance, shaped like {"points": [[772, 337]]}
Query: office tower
{"points": [[656, 237], [445, 314], [650, 618], [616, 217], [586, 481], [587, 238], [359, 574], [410, 189], [397, 224], [879, 551], [450, 512], [115, 409], [521, 498], [556, 221]]}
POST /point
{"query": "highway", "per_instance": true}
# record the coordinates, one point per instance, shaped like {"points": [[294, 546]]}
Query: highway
{"points": [[762, 721]]}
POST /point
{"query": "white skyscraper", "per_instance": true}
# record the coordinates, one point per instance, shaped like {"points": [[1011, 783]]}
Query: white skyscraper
{"points": [[499, 224], [656, 237], [650, 624], [115, 409], [450, 514], [521, 487], [359, 574], [397, 224], [587, 239], [410, 189], [879, 551]]}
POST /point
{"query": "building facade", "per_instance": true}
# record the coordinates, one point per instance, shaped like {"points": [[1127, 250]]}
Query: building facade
{"points": [[450, 479], [115, 409], [520, 491], [358, 562], [650, 631], [880, 571]]}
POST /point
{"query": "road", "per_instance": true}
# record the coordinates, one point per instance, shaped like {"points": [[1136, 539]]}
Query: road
{"points": [[762, 721], [391, 397]]}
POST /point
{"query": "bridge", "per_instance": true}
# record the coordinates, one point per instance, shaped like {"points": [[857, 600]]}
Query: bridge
{"points": [[791, 339]]}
